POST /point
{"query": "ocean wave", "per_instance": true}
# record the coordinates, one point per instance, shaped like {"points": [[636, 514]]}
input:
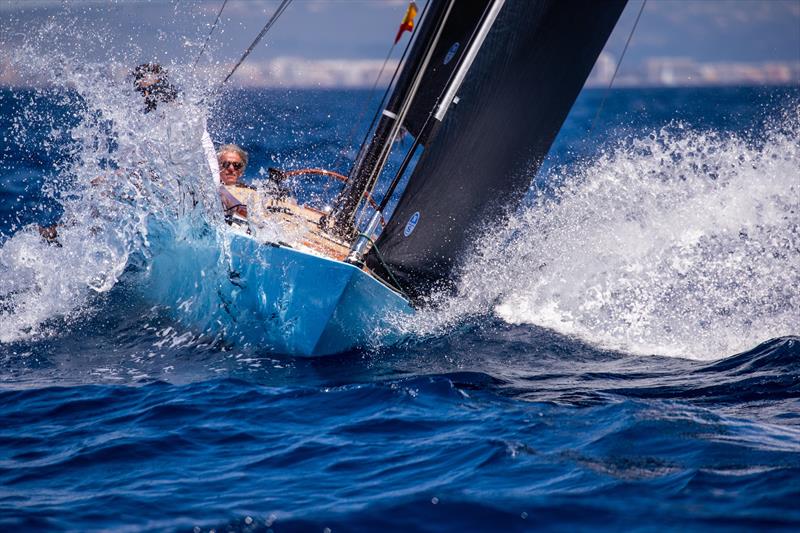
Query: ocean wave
{"points": [[681, 242]]}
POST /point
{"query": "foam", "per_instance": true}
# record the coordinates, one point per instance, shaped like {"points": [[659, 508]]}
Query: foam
{"points": [[124, 171], [682, 243]]}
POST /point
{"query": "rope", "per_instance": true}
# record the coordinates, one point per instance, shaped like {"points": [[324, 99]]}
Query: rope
{"points": [[320, 171], [610, 83], [208, 37], [278, 12], [364, 108], [385, 266]]}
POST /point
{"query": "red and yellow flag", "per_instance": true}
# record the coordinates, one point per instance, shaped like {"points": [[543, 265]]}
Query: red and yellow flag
{"points": [[408, 21]]}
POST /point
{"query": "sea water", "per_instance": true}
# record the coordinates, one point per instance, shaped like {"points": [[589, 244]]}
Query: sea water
{"points": [[619, 353]]}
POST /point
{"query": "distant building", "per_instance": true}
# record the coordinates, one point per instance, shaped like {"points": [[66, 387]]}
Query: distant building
{"points": [[654, 72], [672, 71], [683, 71], [296, 72], [603, 70], [323, 73]]}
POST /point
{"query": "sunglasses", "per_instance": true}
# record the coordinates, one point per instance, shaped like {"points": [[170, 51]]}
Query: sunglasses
{"points": [[235, 165]]}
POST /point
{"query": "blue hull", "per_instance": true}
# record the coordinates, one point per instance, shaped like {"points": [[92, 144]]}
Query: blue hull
{"points": [[273, 297]]}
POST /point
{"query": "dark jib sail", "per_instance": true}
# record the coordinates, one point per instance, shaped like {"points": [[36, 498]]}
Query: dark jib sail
{"points": [[522, 83]]}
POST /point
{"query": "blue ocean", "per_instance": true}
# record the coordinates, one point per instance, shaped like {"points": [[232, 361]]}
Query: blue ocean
{"points": [[620, 354]]}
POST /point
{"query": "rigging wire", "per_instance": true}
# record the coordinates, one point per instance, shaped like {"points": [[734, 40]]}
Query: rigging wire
{"points": [[622, 56], [388, 89], [364, 109], [208, 37], [278, 12]]}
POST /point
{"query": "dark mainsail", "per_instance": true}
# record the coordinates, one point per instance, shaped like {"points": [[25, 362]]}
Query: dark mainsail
{"points": [[516, 94]]}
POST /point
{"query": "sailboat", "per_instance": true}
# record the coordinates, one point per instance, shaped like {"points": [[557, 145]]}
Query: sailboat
{"points": [[483, 90]]}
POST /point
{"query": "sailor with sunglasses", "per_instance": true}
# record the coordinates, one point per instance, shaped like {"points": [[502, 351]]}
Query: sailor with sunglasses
{"points": [[235, 194]]}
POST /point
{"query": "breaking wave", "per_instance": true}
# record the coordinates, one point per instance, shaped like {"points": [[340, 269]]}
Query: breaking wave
{"points": [[681, 242]]}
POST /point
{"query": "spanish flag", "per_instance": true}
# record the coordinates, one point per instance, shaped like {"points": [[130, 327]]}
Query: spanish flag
{"points": [[408, 21]]}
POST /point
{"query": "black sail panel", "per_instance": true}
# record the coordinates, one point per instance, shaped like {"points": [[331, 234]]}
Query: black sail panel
{"points": [[491, 143], [461, 25]]}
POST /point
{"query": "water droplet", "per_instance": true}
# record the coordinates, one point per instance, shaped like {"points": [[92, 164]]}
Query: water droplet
{"points": [[434, 500]]}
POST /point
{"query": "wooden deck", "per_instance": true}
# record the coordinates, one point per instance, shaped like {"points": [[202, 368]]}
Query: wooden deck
{"points": [[305, 221], [299, 223]]}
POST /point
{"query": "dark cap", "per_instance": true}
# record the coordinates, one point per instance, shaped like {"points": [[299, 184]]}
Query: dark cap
{"points": [[150, 79]]}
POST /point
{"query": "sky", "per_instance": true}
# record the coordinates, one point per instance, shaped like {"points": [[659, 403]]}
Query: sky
{"points": [[702, 30]]}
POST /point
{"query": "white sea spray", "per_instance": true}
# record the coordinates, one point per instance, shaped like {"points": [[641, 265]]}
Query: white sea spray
{"points": [[681, 242], [122, 171]]}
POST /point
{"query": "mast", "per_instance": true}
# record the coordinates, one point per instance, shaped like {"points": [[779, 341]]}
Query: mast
{"points": [[431, 124], [373, 156]]}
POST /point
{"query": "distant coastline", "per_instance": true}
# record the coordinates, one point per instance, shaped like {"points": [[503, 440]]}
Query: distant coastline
{"points": [[301, 73]]}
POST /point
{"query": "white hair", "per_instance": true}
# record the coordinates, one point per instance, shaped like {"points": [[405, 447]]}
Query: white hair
{"points": [[235, 149]]}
